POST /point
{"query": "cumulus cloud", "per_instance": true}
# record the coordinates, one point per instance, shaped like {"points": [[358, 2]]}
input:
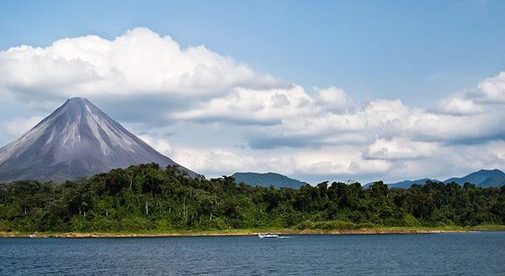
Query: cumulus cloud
{"points": [[266, 106], [494, 88], [342, 161], [215, 162], [334, 99], [459, 105], [137, 62], [18, 126], [399, 148], [159, 143]]}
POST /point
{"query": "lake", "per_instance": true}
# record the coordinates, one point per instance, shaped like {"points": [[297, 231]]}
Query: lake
{"points": [[480, 253]]}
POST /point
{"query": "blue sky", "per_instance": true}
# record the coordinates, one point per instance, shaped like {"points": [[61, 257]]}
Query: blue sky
{"points": [[421, 54]]}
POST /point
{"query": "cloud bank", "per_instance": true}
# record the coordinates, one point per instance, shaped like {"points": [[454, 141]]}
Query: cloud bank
{"points": [[243, 120]]}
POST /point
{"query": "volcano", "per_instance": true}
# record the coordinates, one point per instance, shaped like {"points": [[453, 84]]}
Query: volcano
{"points": [[76, 140]]}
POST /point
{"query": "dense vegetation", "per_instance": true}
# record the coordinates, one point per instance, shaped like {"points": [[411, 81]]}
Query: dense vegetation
{"points": [[147, 197]]}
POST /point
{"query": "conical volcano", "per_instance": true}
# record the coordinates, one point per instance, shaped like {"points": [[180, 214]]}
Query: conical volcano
{"points": [[76, 140]]}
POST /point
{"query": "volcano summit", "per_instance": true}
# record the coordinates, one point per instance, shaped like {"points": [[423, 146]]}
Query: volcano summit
{"points": [[76, 140]]}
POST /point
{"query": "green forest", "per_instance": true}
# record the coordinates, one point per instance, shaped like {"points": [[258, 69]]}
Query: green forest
{"points": [[150, 198]]}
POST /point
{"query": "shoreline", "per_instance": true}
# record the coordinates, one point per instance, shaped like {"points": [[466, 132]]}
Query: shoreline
{"points": [[248, 232]]}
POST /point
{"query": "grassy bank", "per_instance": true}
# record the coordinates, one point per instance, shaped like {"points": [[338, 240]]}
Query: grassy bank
{"points": [[251, 232]]}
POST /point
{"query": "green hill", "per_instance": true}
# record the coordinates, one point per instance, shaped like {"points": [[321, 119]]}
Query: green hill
{"points": [[267, 180]]}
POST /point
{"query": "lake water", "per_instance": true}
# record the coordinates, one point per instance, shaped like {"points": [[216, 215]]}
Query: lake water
{"points": [[433, 254]]}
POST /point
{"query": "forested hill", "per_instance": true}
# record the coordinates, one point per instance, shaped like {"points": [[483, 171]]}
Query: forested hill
{"points": [[148, 197], [482, 178], [267, 180]]}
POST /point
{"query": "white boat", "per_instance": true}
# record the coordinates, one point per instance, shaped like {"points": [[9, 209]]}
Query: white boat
{"points": [[269, 236]]}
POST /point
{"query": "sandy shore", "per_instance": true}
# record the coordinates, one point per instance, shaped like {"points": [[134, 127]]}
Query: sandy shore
{"points": [[238, 232]]}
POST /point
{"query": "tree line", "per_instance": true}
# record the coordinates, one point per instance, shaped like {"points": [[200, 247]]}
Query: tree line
{"points": [[150, 198]]}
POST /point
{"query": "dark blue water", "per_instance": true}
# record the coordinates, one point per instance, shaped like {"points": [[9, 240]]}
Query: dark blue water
{"points": [[437, 254]]}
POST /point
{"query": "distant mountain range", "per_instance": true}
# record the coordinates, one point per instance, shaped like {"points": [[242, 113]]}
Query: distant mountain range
{"points": [[76, 140], [267, 180], [482, 178]]}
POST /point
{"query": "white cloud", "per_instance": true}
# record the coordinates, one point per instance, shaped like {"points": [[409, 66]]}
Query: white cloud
{"points": [[253, 106], [459, 105], [399, 148], [332, 162], [17, 126], [160, 144], [334, 99], [389, 119], [137, 62], [215, 162], [338, 160], [494, 88]]}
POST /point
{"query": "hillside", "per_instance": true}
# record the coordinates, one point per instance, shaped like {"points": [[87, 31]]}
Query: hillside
{"points": [[482, 178], [267, 180], [407, 183]]}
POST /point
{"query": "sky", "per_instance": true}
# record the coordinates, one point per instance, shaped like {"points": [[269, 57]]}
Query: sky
{"points": [[317, 90]]}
